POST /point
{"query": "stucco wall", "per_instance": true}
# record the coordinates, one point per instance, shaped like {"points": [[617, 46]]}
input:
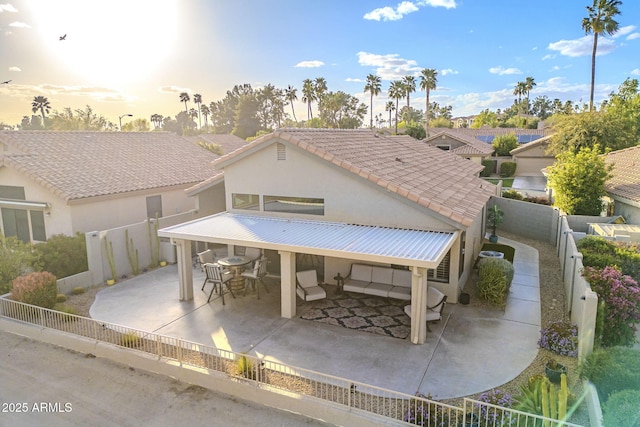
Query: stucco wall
{"points": [[347, 198], [211, 201], [528, 219], [630, 213]]}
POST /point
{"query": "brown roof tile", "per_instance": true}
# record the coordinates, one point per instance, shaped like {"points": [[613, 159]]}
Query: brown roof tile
{"points": [[76, 165], [626, 173]]}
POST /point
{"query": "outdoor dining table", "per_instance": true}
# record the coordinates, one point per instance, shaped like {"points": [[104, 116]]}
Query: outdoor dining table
{"points": [[236, 263]]}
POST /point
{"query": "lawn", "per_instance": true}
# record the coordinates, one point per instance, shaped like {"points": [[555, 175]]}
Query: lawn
{"points": [[506, 182]]}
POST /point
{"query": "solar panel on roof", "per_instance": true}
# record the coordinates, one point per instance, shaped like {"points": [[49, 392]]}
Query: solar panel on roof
{"points": [[523, 139]]}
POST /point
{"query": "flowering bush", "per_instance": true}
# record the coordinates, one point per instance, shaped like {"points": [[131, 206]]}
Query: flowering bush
{"points": [[560, 337], [494, 416], [621, 296], [425, 414], [38, 289]]}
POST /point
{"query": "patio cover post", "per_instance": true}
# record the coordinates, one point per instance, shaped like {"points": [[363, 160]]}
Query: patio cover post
{"points": [[418, 305], [288, 284], [185, 270]]}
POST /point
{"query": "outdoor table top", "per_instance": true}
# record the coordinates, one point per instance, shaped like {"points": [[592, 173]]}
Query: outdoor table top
{"points": [[234, 261]]}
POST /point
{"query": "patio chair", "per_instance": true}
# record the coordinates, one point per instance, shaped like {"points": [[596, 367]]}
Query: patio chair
{"points": [[436, 301], [205, 257], [307, 286], [253, 253], [219, 278], [256, 274]]}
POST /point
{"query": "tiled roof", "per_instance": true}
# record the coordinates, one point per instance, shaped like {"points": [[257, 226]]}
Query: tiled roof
{"points": [[440, 181], [626, 173], [228, 142], [471, 146], [76, 165]]}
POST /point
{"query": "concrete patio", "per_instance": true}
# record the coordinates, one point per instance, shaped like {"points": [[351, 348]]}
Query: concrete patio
{"points": [[471, 350]]}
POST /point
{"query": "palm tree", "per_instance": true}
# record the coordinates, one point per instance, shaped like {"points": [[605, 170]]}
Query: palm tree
{"points": [[41, 103], [396, 91], [529, 83], [389, 107], [290, 95], [184, 97], [519, 90], [409, 83], [320, 87], [373, 86], [600, 20], [428, 82], [197, 98], [205, 111], [308, 96], [156, 119]]}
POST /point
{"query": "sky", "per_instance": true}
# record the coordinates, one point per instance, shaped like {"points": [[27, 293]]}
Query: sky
{"points": [[136, 56]]}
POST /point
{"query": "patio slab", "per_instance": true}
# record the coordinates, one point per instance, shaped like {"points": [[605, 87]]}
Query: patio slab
{"points": [[470, 351]]}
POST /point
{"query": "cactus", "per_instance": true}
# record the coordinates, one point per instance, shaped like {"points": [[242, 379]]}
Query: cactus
{"points": [[132, 253], [154, 241], [108, 249], [554, 401]]}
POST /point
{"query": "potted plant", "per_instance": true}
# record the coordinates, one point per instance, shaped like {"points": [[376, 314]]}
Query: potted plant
{"points": [[554, 371], [494, 218]]}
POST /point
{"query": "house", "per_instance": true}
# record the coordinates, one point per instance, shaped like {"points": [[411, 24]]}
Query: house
{"points": [[458, 143], [67, 182], [343, 197], [624, 186], [227, 143], [532, 157]]}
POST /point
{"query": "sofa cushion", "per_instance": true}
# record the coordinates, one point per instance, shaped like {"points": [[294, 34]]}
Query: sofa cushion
{"points": [[361, 272], [379, 289], [401, 278], [382, 275], [355, 286], [400, 292]]}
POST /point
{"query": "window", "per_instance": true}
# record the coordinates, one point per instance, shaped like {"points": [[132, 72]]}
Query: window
{"points": [[441, 274], [297, 205], [245, 201], [26, 225], [444, 147], [11, 192], [154, 206]]}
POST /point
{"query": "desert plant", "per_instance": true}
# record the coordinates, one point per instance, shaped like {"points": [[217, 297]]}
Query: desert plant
{"points": [[554, 399], [132, 253], [61, 298], [495, 217], [154, 241], [244, 367], [78, 291], [507, 169], [530, 397], [495, 276], [108, 249], [130, 339], [39, 289], [62, 255], [560, 337], [512, 194], [621, 409], [621, 295], [612, 369], [67, 309]]}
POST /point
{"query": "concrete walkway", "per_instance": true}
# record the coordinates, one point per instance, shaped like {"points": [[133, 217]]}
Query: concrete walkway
{"points": [[470, 351]]}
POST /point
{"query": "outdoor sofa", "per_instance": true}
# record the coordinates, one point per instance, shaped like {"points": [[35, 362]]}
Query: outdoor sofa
{"points": [[381, 281]]}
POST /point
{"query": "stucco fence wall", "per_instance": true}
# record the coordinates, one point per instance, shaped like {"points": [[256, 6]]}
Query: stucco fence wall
{"points": [[526, 219]]}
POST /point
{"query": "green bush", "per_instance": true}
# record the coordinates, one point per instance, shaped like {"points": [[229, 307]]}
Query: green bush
{"points": [[540, 200], [503, 144], [612, 369], [621, 409], [38, 289], [512, 194], [78, 291], [15, 260], [507, 169], [599, 253], [62, 255], [61, 298], [488, 167], [495, 276]]}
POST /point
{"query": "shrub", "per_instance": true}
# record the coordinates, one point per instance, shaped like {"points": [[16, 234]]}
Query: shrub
{"points": [[512, 194], [495, 277], [503, 144], [621, 296], [78, 291], [61, 298], [488, 167], [425, 414], [62, 255], [15, 260], [64, 308], [621, 409], [130, 340], [507, 169], [540, 200], [492, 415], [560, 337], [244, 367], [612, 369], [38, 289]]}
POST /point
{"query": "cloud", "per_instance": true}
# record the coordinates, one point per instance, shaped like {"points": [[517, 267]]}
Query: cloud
{"points": [[582, 46], [623, 31], [389, 13], [7, 8], [309, 64], [19, 25], [633, 36], [448, 71], [352, 80], [173, 89], [636, 72], [14, 68], [548, 56], [390, 66], [504, 71]]}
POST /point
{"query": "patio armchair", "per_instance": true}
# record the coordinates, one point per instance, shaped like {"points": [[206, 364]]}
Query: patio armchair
{"points": [[219, 278], [206, 257], [253, 253], [436, 301], [307, 286], [256, 274]]}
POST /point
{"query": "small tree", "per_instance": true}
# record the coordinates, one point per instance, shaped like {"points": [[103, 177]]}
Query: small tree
{"points": [[15, 259], [494, 218], [503, 144], [578, 181]]}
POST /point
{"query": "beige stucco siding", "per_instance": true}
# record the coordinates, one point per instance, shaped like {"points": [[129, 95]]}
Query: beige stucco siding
{"points": [[347, 198], [532, 166], [211, 200]]}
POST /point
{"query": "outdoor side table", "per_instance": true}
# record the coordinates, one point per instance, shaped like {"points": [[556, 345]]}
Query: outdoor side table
{"points": [[236, 263]]}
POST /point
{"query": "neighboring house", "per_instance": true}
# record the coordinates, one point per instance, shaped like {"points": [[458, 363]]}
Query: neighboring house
{"points": [[531, 158], [67, 182], [343, 197], [458, 143], [462, 122], [624, 186], [227, 143], [488, 134]]}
